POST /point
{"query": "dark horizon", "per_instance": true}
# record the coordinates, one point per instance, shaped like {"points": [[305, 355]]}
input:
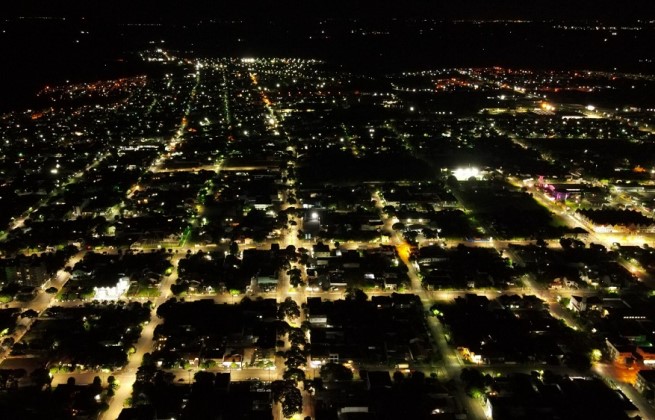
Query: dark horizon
{"points": [[97, 34], [168, 11]]}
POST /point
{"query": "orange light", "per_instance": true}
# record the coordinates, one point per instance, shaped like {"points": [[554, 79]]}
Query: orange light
{"points": [[404, 250]]}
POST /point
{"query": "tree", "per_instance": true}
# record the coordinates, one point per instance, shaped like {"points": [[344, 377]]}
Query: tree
{"points": [[578, 361], [280, 389], [295, 277], [398, 226], [429, 233], [41, 377], [355, 294], [178, 289], [234, 248], [418, 378], [565, 302], [204, 379], [208, 364], [292, 403], [411, 236], [147, 360], [87, 294], [398, 377], [295, 358], [297, 337], [294, 374], [331, 372], [476, 382], [289, 308]]}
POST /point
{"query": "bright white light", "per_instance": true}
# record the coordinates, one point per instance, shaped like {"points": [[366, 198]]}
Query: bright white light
{"points": [[463, 174], [591, 108], [314, 216], [112, 293]]}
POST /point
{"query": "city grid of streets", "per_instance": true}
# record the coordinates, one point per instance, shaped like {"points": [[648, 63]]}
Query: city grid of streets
{"points": [[231, 120]]}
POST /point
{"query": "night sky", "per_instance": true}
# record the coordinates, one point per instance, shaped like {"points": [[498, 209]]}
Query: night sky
{"points": [[175, 10]]}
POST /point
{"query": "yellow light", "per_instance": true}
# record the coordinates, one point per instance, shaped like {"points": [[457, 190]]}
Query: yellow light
{"points": [[596, 355], [547, 107]]}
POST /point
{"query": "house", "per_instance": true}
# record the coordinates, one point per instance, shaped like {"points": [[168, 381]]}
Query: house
{"points": [[646, 355], [265, 280], [620, 350], [419, 349], [321, 250], [378, 380], [429, 255], [382, 302], [403, 301], [317, 316], [233, 360], [139, 412], [583, 303], [391, 283], [472, 355]]}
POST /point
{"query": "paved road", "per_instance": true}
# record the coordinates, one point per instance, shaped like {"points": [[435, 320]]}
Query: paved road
{"points": [[41, 302], [452, 363], [127, 376]]}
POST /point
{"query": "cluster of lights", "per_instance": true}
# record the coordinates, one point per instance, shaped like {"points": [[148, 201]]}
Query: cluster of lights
{"points": [[464, 174]]}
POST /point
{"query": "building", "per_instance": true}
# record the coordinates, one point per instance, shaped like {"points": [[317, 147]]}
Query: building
{"points": [[646, 356], [620, 351], [645, 381], [112, 292], [26, 272]]}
